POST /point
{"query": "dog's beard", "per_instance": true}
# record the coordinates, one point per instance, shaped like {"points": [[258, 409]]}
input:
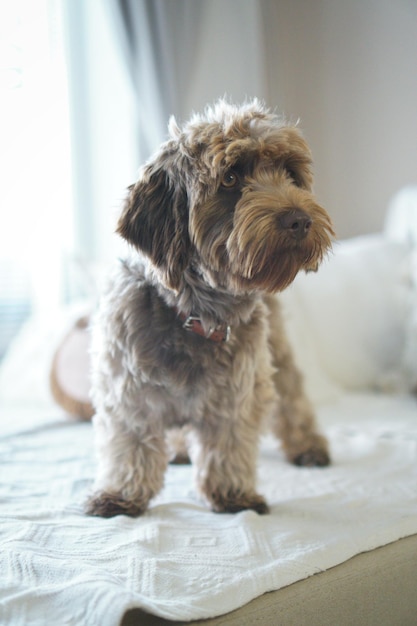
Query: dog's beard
{"points": [[265, 256], [251, 251], [273, 275]]}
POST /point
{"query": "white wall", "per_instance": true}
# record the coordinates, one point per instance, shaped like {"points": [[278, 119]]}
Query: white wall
{"points": [[348, 69]]}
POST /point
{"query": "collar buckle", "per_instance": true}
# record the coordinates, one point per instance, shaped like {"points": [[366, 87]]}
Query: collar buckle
{"points": [[219, 334]]}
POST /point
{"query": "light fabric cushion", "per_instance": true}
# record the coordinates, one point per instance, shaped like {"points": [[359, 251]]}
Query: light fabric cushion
{"points": [[24, 372], [401, 219], [350, 318], [401, 226]]}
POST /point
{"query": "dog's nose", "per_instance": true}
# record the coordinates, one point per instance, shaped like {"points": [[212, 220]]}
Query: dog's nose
{"points": [[296, 222]]}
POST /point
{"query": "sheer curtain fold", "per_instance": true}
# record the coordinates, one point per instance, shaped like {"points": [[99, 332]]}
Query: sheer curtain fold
{"points": [[159, 40]]}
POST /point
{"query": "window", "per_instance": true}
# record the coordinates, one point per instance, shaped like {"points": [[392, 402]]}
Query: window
{"points": [[35, 188]]}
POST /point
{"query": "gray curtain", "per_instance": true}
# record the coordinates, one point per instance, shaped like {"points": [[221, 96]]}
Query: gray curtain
{"points": [[159, 39], [183, 54]]}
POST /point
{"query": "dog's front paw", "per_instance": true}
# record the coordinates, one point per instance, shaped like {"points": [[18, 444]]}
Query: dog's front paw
{"points": [[110, 505], [312, 457], [233, 503]]}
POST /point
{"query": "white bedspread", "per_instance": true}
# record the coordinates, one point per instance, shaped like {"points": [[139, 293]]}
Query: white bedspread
{"points": [[180, 560]]}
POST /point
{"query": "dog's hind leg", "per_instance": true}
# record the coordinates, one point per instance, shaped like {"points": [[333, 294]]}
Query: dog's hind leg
{"points": [[131, 467], [294, 423]]}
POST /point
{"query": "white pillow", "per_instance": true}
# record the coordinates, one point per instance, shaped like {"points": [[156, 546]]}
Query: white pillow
{"points": [[401, 219], [25, 369], [354, 313], [319, 387], [401, 226]]}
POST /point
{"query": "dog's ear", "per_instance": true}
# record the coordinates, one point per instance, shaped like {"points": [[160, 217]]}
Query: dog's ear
{"points": [[155, 220]]}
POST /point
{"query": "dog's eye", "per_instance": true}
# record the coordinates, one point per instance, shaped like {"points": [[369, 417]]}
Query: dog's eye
{"points": [[293, 176], [229, 180]]}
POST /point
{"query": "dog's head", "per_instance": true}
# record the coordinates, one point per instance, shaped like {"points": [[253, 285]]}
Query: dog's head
{"points": [[229, 195]]}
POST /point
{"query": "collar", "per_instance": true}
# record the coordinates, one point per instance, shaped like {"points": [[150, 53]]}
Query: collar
{"points": [[218, 334]]}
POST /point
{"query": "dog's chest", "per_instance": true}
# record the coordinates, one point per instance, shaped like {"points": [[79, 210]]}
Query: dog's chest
{"points": [[203, 381], [176, 359], [180, 371], [179, 361]]}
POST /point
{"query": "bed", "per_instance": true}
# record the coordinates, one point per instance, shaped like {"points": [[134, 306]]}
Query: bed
{"points": [[340, 543]]}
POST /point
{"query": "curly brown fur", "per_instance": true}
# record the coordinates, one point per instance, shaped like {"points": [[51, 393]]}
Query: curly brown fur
{"points": [[221, 217]]}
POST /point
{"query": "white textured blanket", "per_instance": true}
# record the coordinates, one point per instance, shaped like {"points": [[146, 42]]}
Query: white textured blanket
{"points": [[180, 560]]}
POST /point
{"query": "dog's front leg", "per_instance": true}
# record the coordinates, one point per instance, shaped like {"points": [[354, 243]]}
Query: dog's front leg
{"points": [[224, 455], [131, 467]]}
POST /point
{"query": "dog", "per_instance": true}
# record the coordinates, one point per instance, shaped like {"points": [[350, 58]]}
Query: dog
{"points": [[189, 335]]}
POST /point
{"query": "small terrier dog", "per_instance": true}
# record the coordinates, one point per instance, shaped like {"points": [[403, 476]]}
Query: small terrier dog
{"points": [[189, 337]]}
